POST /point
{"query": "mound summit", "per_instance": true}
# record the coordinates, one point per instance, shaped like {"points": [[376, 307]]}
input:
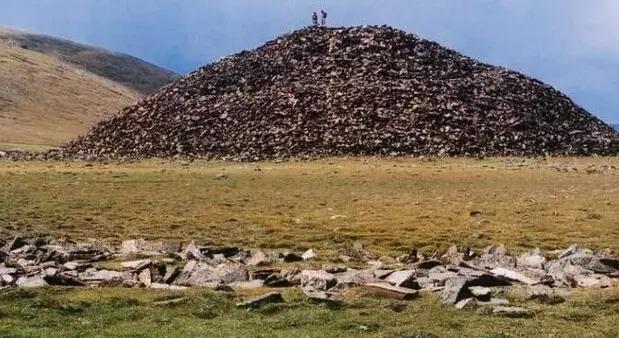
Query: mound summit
{"points": [[348, 91]]}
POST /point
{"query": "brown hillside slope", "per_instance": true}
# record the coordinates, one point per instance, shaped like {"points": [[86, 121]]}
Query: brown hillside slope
{"points": [[45, 102], [127, 70]]}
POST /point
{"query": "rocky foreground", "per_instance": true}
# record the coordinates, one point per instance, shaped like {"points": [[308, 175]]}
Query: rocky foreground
{"points": [[460, 276], [349, 91]]}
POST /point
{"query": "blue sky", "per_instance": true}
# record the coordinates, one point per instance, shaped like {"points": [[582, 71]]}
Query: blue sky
{"points": [[570, 44]]}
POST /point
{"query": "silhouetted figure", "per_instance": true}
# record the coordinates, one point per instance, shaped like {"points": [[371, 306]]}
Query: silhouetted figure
{"points": [[324, 17], [315, 19]]}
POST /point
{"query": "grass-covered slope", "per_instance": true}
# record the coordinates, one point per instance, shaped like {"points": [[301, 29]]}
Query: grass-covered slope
{"points": [[44, 101], [127, 70]]}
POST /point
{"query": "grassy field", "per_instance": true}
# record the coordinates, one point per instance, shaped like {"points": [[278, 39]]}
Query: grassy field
{"points": [[136, 313], [389, 204]]}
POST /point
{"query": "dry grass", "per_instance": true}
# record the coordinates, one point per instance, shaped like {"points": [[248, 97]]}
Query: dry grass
{"points": [[390, 204], [44, 102]]}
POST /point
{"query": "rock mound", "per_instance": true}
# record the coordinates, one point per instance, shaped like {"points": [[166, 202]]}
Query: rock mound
{"points": [[349, 91]]}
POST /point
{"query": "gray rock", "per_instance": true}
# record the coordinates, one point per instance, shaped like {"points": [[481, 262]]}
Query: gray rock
{"points": [[308, 255], [318, 279], [467, 303], [248, 284], [403, 278], [391, 290], [354, 278], [137, 265], [493, 302], [455, 290], [7, 271], [481, 293], [230, 274], [334, 268], [101, 276], [145, 278], [258, 258], [273, 297], [513, 276], [532, 259], [545, 294], [31, 282], [320, 296], [511, 311]]}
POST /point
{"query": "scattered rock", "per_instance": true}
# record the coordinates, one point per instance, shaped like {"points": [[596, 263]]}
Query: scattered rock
{"points": [[511, 311], [318, 279], [309, 254], [513, 276], [403, 278], [269, 298], [31, 282], [392, 291], [455, 290]]}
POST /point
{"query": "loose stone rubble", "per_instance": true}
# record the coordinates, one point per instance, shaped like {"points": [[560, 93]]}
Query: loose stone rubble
{"points": [[348, 91], [460, 276]]}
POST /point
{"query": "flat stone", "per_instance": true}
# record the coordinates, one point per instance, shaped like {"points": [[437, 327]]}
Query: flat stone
{"points": [[137, 265], [319, 296], [76, 265], [248, 284], [308, 255], [7, 271], [392, 291], [258, 258], [7, 279], [130, 247], [513, 275], [269, 298], [31, 282], [174, 301], [171, 272], [493, 302], [544, 294], [532, 259], [192, 252], [511, 311], [354, 278], [101, 276], [334, 268], [230, 274], [481, 293], [318, 279], [382, 274], [467, 303], [403, 278], [144, 277], [455, 290]]}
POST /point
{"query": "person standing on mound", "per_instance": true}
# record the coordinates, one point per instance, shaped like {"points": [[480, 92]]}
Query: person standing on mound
{"points": [[324, 18], [315, 19]]}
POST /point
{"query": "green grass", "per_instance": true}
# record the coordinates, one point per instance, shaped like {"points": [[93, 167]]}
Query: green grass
{"points": [[389, 204], [134, 313]]}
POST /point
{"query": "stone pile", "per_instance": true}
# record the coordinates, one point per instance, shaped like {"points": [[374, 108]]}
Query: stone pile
{"points": [[348, 91], [461, 276]]}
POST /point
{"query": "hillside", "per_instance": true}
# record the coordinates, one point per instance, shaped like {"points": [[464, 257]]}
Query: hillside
{"points": [[349, 91], [616, 126], [45, 102], [127, 70]]}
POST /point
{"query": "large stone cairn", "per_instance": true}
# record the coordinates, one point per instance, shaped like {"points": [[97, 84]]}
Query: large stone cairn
{"points": [[348, 91], [460, 276]]}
